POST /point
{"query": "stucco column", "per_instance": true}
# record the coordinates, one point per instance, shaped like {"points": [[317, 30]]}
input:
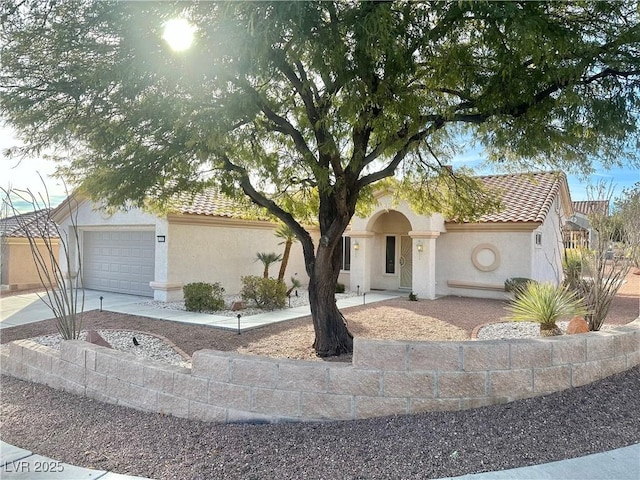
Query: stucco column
{"points": [[163, 289], [424, 264], [361, 254]]}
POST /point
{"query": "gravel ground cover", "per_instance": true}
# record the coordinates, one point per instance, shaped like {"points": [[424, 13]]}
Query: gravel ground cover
{"points": [[79, 431], [579, 421], [145, 346]]}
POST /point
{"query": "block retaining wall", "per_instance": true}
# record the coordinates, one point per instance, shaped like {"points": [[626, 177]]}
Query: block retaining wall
{"points": [[385, 378]]}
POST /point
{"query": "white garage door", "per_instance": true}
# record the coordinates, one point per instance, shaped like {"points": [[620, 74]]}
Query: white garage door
{"points": [[119, 261]]}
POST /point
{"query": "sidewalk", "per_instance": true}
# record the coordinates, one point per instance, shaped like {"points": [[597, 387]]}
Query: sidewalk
{"points": [[28, 308], [620, 464], [17, 463]]}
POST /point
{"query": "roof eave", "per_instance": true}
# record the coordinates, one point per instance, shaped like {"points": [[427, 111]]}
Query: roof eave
{"points": [[492, 226]]}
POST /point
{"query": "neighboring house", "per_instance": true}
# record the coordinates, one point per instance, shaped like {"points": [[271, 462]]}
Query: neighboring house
{"points": [[397, 249], [208, 240], [578, 232], [18, 270]]}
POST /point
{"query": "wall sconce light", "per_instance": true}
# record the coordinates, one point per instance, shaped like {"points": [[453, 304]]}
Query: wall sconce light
{"points": [[356, 245], [419, 246], [161, 238]]}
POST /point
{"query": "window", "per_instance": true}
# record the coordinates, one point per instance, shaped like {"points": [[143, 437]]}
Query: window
{"points": [[345, 262], [390, 258]]}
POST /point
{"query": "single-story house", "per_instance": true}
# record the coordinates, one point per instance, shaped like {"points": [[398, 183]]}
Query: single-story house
{"points": [[205, 239], [396, 249], [18, 269], [392, 249], [578, 232]]}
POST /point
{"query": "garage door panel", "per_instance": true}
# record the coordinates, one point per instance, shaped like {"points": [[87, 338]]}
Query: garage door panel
{"points": [[119, 261]]}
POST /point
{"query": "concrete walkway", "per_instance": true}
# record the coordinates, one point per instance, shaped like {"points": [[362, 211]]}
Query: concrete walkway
{"points": [[16, 463], [21, 309], [620, 464]]}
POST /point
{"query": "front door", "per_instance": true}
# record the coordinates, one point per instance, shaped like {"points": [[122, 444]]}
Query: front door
{"points": [[406, 262]]}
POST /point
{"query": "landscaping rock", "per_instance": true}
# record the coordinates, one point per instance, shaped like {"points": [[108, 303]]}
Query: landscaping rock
{"points": [[577, 325], [95, 338], [235, 306]]}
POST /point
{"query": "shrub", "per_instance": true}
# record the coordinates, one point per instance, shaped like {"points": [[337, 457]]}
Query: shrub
{"points": [[413, 297], [545, 303], [295, 284], [516, 285], [266, 293], [573, 266], [340, 288], [203, 297]]}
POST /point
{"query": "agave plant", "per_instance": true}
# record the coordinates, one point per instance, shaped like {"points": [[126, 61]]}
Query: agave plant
{"points": [[545, 303]]}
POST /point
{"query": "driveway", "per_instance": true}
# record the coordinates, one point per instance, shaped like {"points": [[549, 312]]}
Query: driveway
{"points": [[29, 307]]}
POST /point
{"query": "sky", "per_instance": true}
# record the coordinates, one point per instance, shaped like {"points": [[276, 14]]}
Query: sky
{"points": [[24, 174], [579, 187]]}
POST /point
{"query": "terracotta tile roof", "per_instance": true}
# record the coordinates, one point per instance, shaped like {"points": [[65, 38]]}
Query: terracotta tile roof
{"points": [[526, 197], [591, 206], [33, 223], [213, 203]]}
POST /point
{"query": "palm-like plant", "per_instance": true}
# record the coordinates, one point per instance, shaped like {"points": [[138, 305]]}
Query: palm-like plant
{"points": [[288, 237], [267, 259], [545, 303]]}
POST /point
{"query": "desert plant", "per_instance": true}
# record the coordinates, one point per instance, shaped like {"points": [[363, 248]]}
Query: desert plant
{"points": [[267, 259], [340, 288], [62, 282], [573, 267], [596, 274], [516, 285], [295, 283], [545, 303], [203, 297], [413, 297], [266, 293], [286, 233]]}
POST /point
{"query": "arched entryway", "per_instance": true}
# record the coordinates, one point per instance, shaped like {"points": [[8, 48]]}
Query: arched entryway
{"points": [[394, 249], [393, 260]]}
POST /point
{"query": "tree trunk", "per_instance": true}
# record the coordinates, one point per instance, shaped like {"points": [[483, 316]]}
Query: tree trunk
{"points": [[331, 332], [285, 260]]}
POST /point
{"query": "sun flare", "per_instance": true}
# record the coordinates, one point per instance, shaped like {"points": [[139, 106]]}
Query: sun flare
{"points": [[178, 33]]}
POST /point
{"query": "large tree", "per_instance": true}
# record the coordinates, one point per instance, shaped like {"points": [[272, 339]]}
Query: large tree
{"points": [[294, 102]]}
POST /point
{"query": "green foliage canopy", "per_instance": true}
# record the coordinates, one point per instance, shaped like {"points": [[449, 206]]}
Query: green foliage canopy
{"points": [[288, 97], [315, 103]]}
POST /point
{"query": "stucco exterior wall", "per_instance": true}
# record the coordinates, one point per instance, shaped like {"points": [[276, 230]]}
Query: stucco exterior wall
{"points": [[385, 378], [196, 248], [19, 270], [422, 223], [546, 260], [368, 269], [223, 252], [456, 273]]}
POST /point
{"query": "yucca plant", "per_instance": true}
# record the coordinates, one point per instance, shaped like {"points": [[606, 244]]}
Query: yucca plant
{"points": [[545, 303]]}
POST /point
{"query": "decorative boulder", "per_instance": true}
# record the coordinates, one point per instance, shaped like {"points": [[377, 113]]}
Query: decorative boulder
{"points": [[235, 306], [95, 338], [577, 325]]}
